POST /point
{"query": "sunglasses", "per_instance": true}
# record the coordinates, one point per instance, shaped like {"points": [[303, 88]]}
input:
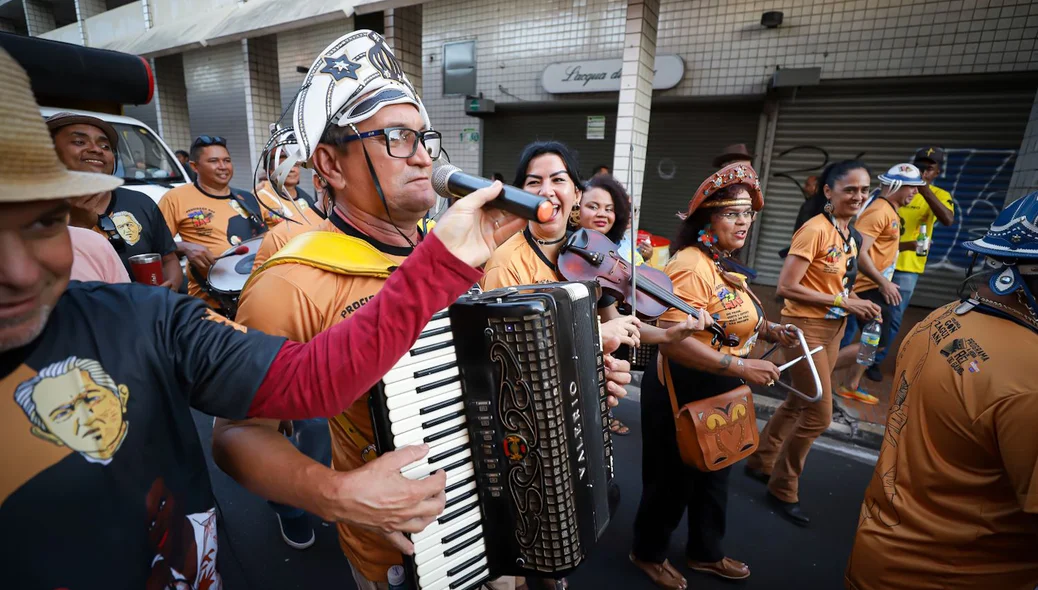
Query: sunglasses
{"points": [[207, 140], [108, 226]]}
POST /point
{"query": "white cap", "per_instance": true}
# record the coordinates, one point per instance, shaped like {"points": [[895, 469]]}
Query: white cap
{"points": [[902, 175], [350, 81]]}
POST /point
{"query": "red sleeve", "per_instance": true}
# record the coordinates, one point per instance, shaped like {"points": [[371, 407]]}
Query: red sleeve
{"points": [[329, 373]]}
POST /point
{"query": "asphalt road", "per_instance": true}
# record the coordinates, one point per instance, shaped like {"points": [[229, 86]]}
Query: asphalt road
{"points": [[779, 554]]}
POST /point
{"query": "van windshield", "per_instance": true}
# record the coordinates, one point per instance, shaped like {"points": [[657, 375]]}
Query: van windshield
{"points": [[142, 159]]}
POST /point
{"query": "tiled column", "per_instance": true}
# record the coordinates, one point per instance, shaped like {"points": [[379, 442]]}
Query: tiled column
{"points": [[1025, 174], [632, 118], [403, 28], [39, 17], [262, 91], [84, 10], [171, 101], [149, 22]]}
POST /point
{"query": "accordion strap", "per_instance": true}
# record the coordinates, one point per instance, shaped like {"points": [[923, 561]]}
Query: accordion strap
{"points": [[367, 452], [331, 252]]}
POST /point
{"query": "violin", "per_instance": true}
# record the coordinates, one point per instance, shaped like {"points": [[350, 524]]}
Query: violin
{"points": [[589, 255]]}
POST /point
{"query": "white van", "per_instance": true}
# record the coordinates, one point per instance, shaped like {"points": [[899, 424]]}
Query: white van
{"points": [[144, 161]]}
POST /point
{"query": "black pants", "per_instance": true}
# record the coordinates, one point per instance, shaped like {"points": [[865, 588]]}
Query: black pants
{"points": [[669, 487]]}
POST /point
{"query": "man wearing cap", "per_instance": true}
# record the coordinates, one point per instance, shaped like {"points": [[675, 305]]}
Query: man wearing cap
{"points": [[953, 502], [732, 154], [105, 484], [367, 133], [932, 204], [129, 219], [880, 229], [210, 216]]}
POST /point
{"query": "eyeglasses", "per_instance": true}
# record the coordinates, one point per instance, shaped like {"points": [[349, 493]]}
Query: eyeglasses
{"points": [[402, 142], [734, 215], [206, 140], [108, 226]]}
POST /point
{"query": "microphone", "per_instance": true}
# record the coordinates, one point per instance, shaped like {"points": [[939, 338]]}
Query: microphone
{"points": [[450, 182]]}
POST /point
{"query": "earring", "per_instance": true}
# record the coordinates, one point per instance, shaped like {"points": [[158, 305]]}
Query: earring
{"points": [[828, 207], [574, 215], [707, 237]]}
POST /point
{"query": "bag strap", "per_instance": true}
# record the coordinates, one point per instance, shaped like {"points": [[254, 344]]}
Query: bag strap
{"points": [[332, 252], [367, 452], [663, 370]]}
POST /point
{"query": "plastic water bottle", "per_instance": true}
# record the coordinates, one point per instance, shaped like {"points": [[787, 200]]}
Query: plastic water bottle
{"points": [[922, 243], [397, 578], [869, 344]]}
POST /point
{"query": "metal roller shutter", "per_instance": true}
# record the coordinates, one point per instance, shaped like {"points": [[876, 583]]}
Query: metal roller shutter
{"points": [[979, 122], [684, 139]]}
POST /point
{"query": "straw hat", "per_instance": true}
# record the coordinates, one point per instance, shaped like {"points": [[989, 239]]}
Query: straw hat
{"points": [[29, 167]]}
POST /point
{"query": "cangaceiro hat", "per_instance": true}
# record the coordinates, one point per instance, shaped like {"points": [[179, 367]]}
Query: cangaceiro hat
{"points": [[29, 167], [735, 173]]}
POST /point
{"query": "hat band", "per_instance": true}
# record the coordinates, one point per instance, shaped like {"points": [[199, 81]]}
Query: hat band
{"points": [[727, 203]]}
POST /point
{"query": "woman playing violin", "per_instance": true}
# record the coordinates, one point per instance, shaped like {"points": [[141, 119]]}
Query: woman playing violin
{"points": [[549, 169], [704, 275]]}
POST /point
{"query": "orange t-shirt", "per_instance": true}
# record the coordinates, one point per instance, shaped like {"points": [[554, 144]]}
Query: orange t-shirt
{"points": [[310, 300], [296, 210], [517, 262], [698, 283], [953, 502], [276, 239], [880, 221], [218, 223], [818, 242]]}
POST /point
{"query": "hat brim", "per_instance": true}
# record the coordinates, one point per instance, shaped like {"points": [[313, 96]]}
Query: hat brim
{"points": [[720, 160], [60, 120], [68, 184], [982, 246]]}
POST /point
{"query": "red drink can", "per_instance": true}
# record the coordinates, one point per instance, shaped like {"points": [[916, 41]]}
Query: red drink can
{"points": [[147, 268]]}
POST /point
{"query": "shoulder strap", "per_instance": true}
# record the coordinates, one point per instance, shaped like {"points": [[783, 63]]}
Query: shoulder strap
{"points": [[367, 452], [332, 252], [663, 372]]}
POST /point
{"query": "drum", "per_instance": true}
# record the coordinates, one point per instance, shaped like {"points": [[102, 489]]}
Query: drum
{"points": [[227, 276]]}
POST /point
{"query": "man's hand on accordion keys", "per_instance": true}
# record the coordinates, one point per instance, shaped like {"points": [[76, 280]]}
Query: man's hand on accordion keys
{"points": [[377, 496], [617, 372], [471, 231]]}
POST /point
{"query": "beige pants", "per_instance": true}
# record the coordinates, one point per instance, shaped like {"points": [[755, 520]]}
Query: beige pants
{"points": [[786, 440], [503, 583]]}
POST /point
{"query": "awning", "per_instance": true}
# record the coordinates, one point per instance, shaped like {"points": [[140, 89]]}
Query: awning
{"points": [[231, 23]]}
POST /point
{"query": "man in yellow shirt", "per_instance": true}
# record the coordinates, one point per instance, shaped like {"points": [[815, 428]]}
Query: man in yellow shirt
{"points": [[933, 204]]}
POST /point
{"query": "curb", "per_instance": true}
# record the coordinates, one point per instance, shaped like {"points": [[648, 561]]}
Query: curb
{"points": [[863, 434]]}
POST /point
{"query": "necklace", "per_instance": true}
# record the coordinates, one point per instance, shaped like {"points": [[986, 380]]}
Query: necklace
{"points": [[845, 238], [548, 242], [1032, 320]]}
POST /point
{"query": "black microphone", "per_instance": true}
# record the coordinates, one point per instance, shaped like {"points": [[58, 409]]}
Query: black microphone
{"points": [[450, 182]]}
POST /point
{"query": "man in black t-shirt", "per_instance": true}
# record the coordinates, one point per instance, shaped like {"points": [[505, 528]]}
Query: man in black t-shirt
{"points": [[104, 483], [129, 219]]}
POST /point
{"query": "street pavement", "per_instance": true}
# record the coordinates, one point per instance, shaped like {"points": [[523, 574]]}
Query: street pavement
{"points": [[779, 554]]}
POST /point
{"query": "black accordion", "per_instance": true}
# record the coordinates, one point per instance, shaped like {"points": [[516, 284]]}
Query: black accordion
{"points": [[508, 389]]}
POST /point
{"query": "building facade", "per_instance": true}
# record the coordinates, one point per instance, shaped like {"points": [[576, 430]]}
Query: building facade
{"points": [[653, 89]]}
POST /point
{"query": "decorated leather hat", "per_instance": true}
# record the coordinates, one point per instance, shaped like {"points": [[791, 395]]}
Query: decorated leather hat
{"points": [[735, 173], [1014, 233], [351, 80]]}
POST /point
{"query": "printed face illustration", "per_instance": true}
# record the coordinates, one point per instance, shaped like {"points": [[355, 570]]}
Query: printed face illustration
{"points": [[81, 414], [127, 226]]}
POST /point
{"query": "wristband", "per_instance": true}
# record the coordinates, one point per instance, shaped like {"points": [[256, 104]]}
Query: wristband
{"points": [[838, 300]]}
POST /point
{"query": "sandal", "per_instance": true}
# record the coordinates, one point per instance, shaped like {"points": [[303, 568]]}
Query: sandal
{"points": [[662, 574], [618, 428], [858, 395]]}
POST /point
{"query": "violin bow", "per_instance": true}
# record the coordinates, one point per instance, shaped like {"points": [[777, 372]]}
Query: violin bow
{"points": [[634, 231]]}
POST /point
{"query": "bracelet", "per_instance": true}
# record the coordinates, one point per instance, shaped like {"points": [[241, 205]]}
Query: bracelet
{"points": [[838, 300]]}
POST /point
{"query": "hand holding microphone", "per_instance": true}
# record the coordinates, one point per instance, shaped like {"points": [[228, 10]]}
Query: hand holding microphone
{"points": [[450, 183]]}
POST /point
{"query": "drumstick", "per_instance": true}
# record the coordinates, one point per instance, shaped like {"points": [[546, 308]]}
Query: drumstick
{"points": [[798, 359], [236, 252]]}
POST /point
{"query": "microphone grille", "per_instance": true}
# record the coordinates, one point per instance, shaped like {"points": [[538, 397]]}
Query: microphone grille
{"points": [[441, 172]]}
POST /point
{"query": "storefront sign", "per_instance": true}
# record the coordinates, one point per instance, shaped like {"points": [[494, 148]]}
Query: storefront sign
{"points": [[596, 127], [603, 75]]}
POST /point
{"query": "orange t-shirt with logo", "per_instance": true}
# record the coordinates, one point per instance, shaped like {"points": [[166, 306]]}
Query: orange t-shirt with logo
{"points": [[308, 301], [818, 242], [517, 262], [218, 223], [698, 283], [953, 502], [880, 221], [297, 209]]}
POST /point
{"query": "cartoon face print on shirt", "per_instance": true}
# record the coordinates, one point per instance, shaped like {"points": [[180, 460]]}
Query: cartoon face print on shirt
{"points": [[75, 403], [238, 227], [128, 227], [184, 545]]}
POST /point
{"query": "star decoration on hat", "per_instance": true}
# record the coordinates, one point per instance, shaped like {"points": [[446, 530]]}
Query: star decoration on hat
{"points": [[340, 67]]}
